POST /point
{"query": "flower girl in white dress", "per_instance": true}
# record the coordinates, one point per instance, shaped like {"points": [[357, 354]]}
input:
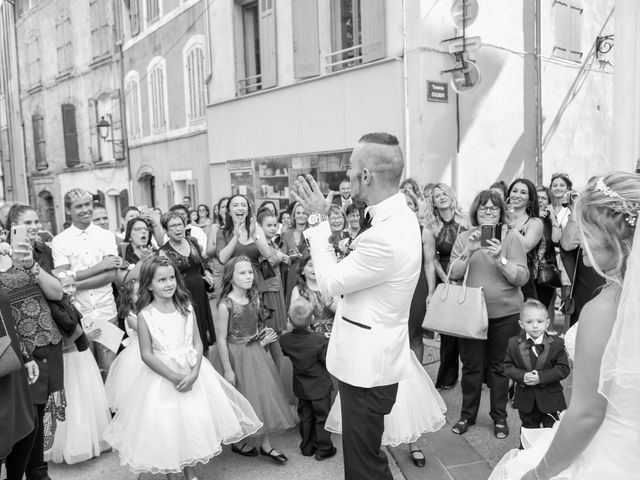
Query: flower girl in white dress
{"points": [[180, 410], [598, 436], [125, 369]]}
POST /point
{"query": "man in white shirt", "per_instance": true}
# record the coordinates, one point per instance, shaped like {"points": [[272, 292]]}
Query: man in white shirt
{"points": [[369, 346], [91, 252]]}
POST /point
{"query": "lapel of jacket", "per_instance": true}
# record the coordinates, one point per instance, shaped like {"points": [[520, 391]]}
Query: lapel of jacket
{"points": [[542, 358], [524, 352]]}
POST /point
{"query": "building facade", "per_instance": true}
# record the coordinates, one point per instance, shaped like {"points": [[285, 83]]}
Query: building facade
{"points": [[166, 68], [306, 78], [12, 158], [70, 69]]}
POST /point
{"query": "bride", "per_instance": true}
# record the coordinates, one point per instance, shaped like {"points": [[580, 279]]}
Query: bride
{"points": [[599, 435]]}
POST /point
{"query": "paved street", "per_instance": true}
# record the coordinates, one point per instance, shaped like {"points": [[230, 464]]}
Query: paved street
{"points": [[448, 456]]}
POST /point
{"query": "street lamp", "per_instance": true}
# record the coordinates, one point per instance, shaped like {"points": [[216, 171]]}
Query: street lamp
{"points": [[104, 128]]}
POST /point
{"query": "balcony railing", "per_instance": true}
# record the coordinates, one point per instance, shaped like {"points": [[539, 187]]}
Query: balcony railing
{"points": [[249, 84], [345, 58]]}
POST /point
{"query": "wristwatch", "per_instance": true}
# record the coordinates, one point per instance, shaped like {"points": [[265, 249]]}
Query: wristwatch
{"points": [[315, 218], [503, 261]]}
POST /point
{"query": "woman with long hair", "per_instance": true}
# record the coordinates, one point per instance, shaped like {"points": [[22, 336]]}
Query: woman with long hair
{"points": [[597, 437], [294, 245], [445, 221], [524, 218]]}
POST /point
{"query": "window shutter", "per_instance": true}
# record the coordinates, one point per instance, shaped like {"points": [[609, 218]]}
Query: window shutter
{"points": [[268, 65], [306, 45], [373, 32], [134, 15], [170, 197], [70, 135], [192, 191], [94, 147], [38, 142], [116, 127]]}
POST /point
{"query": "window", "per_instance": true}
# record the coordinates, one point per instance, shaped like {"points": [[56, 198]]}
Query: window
{"points": [[258, 46], [37, 121], [357, 33], [63, 42], [134, 17], [24, 6], [157, 87], [193, 56], [132, 104], [153, 11], [33, 61], [70, 135], [99, 28], [568, 26]]}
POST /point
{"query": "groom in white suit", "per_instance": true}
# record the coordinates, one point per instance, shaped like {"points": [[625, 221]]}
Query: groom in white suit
{"points": [[369, 346]]}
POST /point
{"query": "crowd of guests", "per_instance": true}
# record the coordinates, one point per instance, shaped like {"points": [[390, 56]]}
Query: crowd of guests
{"points": [[234, 276]]}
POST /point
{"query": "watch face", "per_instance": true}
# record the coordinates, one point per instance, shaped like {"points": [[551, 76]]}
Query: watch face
{"points": [[314, 219]]}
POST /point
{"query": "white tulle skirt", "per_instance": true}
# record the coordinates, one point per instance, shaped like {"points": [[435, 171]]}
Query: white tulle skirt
{"points": [[161, 430], [81, 436], [123, 375], [613, 453], [419, 409]]}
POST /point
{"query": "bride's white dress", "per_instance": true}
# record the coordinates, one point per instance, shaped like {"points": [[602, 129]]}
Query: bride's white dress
{"points": [[614, 452]]}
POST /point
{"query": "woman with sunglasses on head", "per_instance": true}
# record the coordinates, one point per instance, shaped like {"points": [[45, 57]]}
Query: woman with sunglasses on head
{"points": [[500, 268], [445, 221]]}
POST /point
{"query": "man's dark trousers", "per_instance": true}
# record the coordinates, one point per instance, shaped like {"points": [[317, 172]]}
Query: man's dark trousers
{"points": [[363, 411]]}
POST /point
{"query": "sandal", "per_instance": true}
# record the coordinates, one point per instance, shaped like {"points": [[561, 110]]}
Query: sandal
{"points": [[462, 426], [501, 430], [418, 457]]}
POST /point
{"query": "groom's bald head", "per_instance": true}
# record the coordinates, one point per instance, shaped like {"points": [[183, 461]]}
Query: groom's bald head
{"points": [[380, 153]]}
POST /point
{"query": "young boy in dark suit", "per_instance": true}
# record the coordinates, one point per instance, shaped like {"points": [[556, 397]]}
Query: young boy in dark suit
{"points": [[537, 362], [311, 380]]}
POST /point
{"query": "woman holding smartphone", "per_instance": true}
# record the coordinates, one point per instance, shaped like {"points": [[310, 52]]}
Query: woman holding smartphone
{"points": [[29, 287], [500, 268]]}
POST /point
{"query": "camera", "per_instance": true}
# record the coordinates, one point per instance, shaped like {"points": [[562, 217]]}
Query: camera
{"points": [[570, 198]]}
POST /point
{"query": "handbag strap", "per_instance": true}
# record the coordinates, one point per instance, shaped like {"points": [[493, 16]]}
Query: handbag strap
{"points": [[466, 273], [575, 271], [4, 325]]}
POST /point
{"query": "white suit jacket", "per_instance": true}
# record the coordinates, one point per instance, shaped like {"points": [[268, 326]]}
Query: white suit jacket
{"points": [[369, 344]]}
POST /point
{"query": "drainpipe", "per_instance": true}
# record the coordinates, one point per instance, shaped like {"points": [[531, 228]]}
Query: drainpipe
{"points": [[207, 23], [538, 92], [626, 148], [405, 82]]}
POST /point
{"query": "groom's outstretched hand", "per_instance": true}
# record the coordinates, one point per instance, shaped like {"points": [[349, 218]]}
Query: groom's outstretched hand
{"points": [[307, 192]]}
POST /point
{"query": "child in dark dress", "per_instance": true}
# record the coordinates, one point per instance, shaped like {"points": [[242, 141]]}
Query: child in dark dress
{"points": [[311, 380]]}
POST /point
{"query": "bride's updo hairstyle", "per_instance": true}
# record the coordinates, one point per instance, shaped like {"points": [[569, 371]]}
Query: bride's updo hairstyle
{"points": [[607, 214]]}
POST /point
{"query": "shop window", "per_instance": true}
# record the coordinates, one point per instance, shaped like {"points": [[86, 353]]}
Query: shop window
{"points": [[568, 29], [358, 32]]}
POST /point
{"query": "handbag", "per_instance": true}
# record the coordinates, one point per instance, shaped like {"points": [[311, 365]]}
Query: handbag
{"points": [[568, 306], [549, 275], [458, 310], [266, 269], [9, 361]]}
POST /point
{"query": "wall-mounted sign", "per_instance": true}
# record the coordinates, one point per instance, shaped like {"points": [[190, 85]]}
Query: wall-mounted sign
{"points": [[437, 92]]}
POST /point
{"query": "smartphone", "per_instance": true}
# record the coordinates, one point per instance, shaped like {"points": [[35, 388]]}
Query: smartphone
{"points": [[490, 232], [18, 236]]}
